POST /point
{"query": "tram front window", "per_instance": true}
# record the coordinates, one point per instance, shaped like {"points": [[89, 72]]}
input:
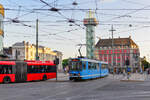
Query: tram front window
{"points": [[76, 66]]}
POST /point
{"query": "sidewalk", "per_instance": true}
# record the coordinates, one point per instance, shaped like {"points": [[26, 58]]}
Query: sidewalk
{"points": [[62, 76], [135, 77], [132, 77]]}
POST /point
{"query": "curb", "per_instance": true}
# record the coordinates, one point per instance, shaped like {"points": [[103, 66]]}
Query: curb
{"points": [[132, 80]]}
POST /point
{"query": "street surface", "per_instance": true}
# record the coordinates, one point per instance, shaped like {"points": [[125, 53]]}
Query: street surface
{"points": [[109, 88]]}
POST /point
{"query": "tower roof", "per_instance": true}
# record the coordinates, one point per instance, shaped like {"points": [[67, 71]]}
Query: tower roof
{"points": [[1, 10]]}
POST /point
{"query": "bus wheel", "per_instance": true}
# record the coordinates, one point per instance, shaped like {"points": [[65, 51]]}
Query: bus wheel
{"points": [[6, 80], [44, 78]]}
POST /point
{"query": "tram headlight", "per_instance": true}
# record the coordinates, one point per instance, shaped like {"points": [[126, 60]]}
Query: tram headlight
{"points": [[70, 74], [79, 74]]}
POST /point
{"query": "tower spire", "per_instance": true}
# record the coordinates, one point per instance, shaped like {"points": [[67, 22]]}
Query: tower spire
{"points": [[90, 23]]}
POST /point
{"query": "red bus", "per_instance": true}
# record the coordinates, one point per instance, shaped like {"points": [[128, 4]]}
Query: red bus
{"points": [[22, 71]]}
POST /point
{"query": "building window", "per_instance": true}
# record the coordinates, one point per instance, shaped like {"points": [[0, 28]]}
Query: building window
{"points": [[18, 52], [109, 51]]}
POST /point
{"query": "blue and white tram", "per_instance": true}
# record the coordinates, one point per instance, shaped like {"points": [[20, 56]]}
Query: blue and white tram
{"points": [[83, 68]]}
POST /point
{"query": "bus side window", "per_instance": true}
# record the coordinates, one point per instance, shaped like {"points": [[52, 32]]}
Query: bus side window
{"points": [[46, 68], [53, 68], [1, 70], [32, 69], [10, 69], [42, 69], [5, 70], [29, 69], [49, 69]]}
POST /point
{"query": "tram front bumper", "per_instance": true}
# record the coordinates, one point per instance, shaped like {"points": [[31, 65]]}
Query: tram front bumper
{"points": [[75, 77]]}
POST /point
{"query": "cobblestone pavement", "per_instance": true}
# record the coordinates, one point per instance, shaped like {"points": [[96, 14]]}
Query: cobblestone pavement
{"points": [[108, 88], [132, 76]]}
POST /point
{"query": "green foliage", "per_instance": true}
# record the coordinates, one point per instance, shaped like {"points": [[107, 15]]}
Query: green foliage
{"points": [[145, 64], [65, 62]]}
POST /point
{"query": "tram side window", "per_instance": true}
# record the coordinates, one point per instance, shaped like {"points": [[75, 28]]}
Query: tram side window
{"points": [[89, 65], [5, 69], [84, 65], [104, 66], [97, 66], [94, 65], [76, 66]]}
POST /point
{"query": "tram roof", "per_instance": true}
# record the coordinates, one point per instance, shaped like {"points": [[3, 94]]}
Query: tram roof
{"points": [[90, 60]]}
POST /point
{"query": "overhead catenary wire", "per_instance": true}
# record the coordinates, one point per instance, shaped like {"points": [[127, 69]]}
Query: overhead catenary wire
{"points": [[78, 22]]}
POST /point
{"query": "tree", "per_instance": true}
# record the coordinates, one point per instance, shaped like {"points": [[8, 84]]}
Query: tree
{"points": [[65, 62], [145, 64]]}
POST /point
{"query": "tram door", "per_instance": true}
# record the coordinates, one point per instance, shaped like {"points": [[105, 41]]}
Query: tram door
{"points": [[100, 69], [21, 71], [90, 71], [84, 69]]}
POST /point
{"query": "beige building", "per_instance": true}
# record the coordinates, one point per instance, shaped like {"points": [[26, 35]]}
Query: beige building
{"points": [[25, 51]]}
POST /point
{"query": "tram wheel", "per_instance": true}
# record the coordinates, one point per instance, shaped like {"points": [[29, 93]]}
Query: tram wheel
{"points": [[6, 80]]}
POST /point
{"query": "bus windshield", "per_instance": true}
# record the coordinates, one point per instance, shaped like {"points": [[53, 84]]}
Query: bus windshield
{"points": [[75, 65]]}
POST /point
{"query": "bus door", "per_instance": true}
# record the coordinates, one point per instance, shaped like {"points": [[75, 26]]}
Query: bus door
{"points": [[21, 71]]}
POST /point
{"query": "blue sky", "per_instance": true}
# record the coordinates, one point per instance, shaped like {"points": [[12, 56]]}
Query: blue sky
{"points": [[56, 33]]}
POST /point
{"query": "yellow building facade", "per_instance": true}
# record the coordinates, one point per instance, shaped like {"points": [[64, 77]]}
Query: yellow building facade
{"points": [[26, 51], [44, 53], [1, 28]]}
